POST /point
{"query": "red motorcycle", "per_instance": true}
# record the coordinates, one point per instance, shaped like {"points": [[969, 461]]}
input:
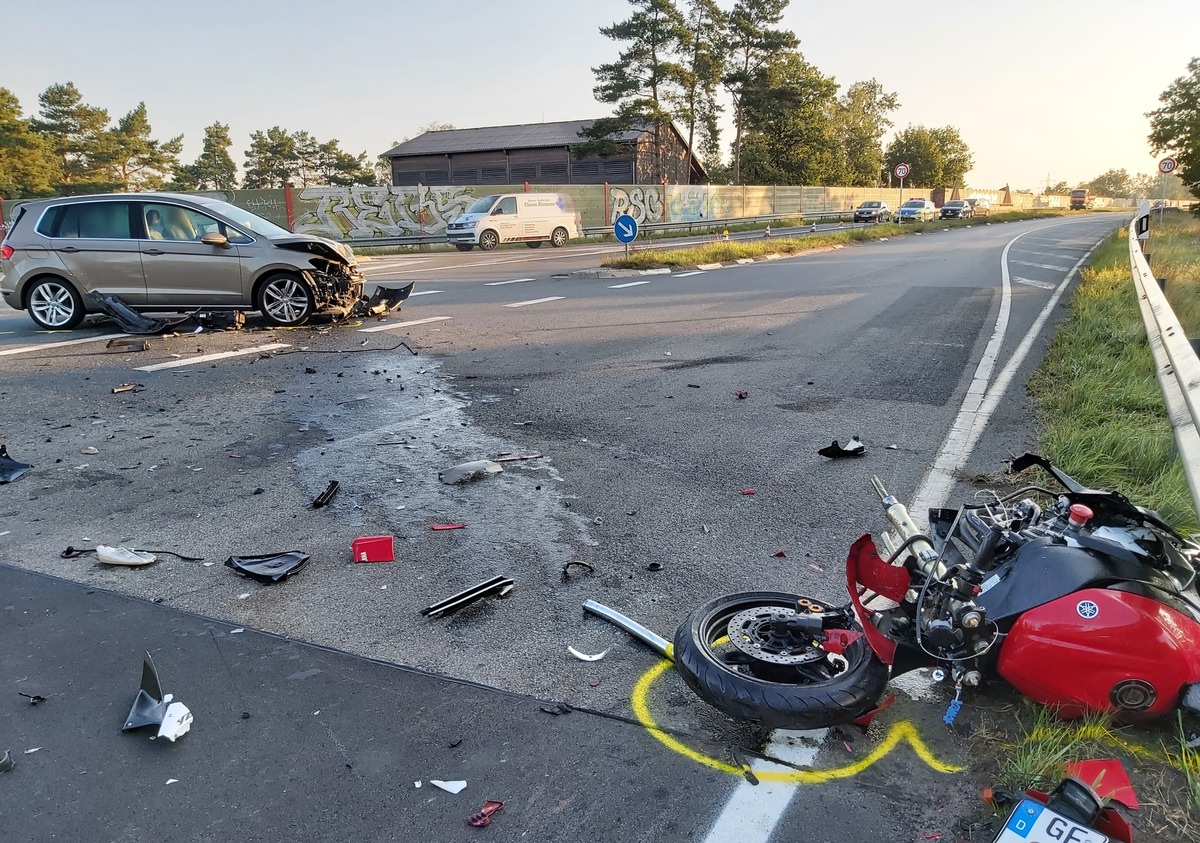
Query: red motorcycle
{"points": [[1083, 602]]}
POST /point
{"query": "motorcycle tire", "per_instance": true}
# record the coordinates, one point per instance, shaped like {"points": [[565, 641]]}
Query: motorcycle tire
{"points": [[797, 704]]}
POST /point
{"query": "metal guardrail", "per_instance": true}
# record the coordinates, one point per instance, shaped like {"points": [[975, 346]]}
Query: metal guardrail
{"points": [[1175, 360]]}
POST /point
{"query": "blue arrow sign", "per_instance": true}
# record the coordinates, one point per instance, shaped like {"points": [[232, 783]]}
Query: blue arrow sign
{"points": [[625, 228]]}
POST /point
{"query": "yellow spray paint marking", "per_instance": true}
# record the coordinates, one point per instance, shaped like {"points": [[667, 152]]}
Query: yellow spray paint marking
{"points": [[901, 732]]}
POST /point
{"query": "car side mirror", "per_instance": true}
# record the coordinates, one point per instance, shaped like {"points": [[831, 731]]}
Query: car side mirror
{"points": [[214, 238]]}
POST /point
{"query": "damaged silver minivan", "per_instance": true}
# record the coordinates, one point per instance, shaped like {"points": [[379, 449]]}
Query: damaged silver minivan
{"points": [[168, 252]]}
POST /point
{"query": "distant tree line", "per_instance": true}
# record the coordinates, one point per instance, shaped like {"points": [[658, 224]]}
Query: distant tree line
{"points": [[1118, 184], [70, 147], [688, 62]]}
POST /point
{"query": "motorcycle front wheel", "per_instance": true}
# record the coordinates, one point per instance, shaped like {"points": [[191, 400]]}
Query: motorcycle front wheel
{"points": [[741, 656]]}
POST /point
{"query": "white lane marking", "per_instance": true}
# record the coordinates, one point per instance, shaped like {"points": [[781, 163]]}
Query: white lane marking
{"points": [[535, 301], [38, 347], [981, 399], [1042, 265], [502, 283], [753, 811], [662, 270], [1033, 282], [425, 293], [205, 358], [630, 284], [394, 325], [688, 274], [1052, 254]]}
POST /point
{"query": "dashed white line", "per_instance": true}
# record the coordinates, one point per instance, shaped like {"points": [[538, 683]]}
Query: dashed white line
{"points": [[1033, 282], [391, 326], [425, 293], [40, 346], [502, 283], [205, 358], [534, 301], [688, 274], [630, 284]]}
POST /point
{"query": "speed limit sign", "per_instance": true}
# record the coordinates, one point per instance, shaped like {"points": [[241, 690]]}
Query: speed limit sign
{"points": [[1167, 165], [901, 171]]}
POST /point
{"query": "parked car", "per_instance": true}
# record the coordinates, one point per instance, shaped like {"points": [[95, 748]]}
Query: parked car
{"points": [[529, 218], [916, 210], [956, 209], [980, 207], [872, 211], [168, 252]]}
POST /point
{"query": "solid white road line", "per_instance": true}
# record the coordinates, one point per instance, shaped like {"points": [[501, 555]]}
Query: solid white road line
{"points": [[502, 283], [27, 348], [1042, 265], [391, 326], [425, 293], [630, 284], [753, 811], [205, 358], [535, 301], [981, 398], [688, 274]]}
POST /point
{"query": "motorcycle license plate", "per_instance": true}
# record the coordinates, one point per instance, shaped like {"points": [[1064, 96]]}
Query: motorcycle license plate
{"points": [[1032, 822]]}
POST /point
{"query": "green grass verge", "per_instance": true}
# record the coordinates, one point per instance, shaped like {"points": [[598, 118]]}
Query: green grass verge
{"points": [[1100, 410], [722, 251]]}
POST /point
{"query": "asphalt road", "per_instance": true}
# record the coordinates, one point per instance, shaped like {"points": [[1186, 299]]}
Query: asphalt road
{"points": [[628, 389]]}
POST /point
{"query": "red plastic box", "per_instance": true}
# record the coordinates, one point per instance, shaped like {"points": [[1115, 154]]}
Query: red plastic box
{"points": [[374, 549]]}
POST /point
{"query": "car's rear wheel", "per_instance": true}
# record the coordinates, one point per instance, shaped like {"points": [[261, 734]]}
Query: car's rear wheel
{"points": [[464, 247], [55, 305], [285, 300], [558, 237], [489, 240]]}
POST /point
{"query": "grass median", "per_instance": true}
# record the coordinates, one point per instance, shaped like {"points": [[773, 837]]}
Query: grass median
{"points": [[1100, 410], [726, 251]]}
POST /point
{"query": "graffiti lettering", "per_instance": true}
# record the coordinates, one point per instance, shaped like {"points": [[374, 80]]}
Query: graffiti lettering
{"points": [[644, 204], [356, 213]]}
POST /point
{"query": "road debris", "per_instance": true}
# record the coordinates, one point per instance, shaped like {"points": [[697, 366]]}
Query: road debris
{"points": [[483, 817], [90, 450], [741, 394], [747, 491], [128, 387], [743, 765], [129, 320], [779, 555], [468, 472], [853, 448], [10, 469], [654, 566], [152, 707], [449, 787], [32, 751], [128, 344], [124, 556], [515, 457], [557, 709], [374, 549], [34, 699], [6, 761], [386, 300], [448, 527], [268, 568], [584, 657], [652, 639], [325, 497], [566, 569], [500, 586], [1108, 778]]}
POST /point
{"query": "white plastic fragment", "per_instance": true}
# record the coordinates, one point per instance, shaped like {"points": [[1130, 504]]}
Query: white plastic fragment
{"points": [[172, 781], [31, 751], [416, 784], [469, 471], [89, 450], [237, 631], [449, 787], [123, 556], [244, 596], [177, 720], [584, 657]]}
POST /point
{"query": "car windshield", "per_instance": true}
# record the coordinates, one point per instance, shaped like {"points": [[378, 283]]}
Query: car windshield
{"points": [[955, 203], [482, 205], [241, 217], [915, 203], [869, 205]]}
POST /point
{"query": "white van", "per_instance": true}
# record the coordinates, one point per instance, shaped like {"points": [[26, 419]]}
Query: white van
{"points": [[529, 218]]}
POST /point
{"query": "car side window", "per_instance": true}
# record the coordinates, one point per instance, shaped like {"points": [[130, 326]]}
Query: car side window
{"points": [[172, 222], [508, 205], [96, 220]]}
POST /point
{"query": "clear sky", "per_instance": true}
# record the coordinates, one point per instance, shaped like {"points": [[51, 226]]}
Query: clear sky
{"points": [[1038, 88]]}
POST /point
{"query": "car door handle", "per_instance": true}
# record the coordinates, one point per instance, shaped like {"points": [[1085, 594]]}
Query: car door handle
{"points": [[69, 249], [152, 251]]}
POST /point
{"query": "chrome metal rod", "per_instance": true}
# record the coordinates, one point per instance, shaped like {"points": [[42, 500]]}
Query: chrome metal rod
{"points": [[657, 642]]}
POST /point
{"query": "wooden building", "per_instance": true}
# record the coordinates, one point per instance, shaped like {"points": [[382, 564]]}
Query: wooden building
{"points": [[537, 153]]}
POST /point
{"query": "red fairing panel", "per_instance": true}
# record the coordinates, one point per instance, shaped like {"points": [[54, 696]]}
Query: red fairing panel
{"points": [[1072, 652], [865, 567]]}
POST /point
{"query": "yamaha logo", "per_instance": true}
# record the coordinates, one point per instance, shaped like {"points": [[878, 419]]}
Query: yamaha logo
{"points": [[1087, 609]]}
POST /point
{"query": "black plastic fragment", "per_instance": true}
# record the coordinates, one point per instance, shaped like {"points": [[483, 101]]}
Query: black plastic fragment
{"points": [[268, 568], [129, 320], [10, 469], [149, 705], [853, 448], [388, 299], [326, 496], [498, 585], [566, 569], [6, 762], [34, 699]]}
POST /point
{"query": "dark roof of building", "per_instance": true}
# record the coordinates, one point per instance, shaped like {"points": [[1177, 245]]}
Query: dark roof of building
{"points": [[525, 136]]}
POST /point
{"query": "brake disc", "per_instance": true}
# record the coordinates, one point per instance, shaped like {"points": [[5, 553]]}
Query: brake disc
{"points": [[760, 633]]}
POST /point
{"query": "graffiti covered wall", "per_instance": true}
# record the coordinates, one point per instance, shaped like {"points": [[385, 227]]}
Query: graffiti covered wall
{"points": [[360, 213]]}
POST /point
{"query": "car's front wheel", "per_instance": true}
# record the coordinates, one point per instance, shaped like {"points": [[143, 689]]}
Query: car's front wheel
{"points": [[55, 305], [285, 300], [489, 240]]}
